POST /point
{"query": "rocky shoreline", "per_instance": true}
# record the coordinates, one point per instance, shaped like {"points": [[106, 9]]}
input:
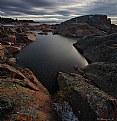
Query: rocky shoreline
{"points": [[22, 96], [91, 92]]}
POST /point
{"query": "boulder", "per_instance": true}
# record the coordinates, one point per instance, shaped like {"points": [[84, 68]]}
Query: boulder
{"points": [[103, 75], [13, 49], [77, 30], [30, 37], [26, 37], [88, 102], [102, 53], [99, 48], [22, 97]]}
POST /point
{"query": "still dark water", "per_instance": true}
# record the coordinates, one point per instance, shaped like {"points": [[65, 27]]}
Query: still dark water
{"points": [[48, 55]]}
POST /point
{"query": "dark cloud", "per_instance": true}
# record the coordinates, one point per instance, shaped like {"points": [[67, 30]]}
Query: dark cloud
{"points": [[56, 9], [64, 12]]}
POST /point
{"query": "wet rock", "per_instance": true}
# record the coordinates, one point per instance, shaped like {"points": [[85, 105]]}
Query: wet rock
{"points": [[88, 102], [43, 33], [77, 30], [47, 30], [22, 97]]}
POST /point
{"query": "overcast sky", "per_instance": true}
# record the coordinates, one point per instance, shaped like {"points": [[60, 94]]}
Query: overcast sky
{"points": [[56, 10]]}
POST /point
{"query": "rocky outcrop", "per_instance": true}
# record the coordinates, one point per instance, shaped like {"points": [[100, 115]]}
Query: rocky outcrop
{"points": [[99, 21], [88, 102], [99, 48], [103, 75], [22, 97], [86, 25], [77, 30]]}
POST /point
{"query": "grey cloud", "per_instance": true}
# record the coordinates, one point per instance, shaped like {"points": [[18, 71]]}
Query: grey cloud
{"points": [[108, 7], [56, 7], [64, 12]]}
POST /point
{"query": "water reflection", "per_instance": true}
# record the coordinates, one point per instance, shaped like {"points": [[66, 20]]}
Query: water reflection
{"points": [[48, 55]]}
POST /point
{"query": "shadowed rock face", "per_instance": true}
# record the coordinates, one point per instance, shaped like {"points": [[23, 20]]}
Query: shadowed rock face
{"points": [[99, 21], [86, 25], [88, 102], [113, 28], [77, 30], [22, 97], [99, 48]]}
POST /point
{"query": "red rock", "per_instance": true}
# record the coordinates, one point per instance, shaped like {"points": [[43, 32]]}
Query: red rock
{"points": [[2, 51], [13, 49], [29, 37], [23, 97]]}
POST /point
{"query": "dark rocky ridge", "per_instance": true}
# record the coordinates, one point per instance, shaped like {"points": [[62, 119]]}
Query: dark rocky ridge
{"points": [[99, 21], [86, 25]]}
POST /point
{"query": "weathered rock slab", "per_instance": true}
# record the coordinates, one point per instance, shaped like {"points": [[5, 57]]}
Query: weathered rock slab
{"points": [[88, 102]]}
